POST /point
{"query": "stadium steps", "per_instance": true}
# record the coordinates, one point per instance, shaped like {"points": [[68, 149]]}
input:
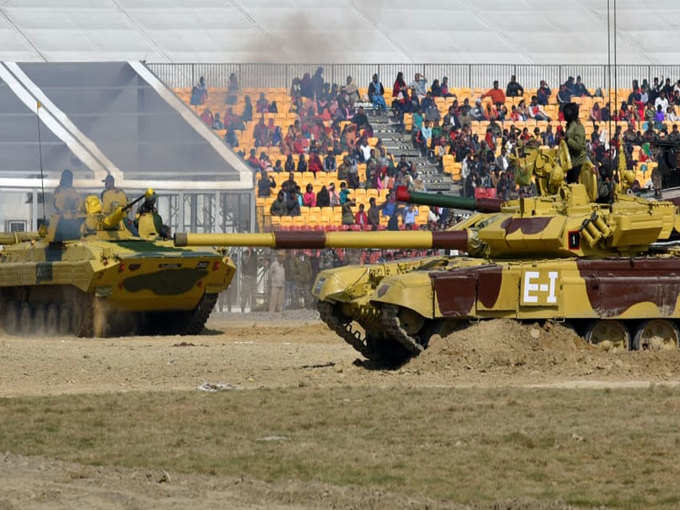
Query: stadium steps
{"points": [[386, 127]]}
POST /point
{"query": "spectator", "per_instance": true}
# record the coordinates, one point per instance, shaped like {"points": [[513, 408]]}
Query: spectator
{"points": [[419, 83], [323, 198], [549, 137], [253, 161], [580, 89], [260, 133], [514, 89], [445, 87], [333, 196], [278, 207], [317, 83], [199, 93], [543, 93], [288, 187], [273, 108], [496, 94], [563, 95], [232, 90], [309, 198], [344, 193], [315, 164], [265, 185], [436, 89], [262, 105], [410, 213], [661, 101], [376, 93], [207, 117], [293, 203], [595, 113], [230, 138], [361, 218], [477, 113], [247, 114], [373, 216], [302, 164], [347, 215], [217, 123], [277, 283], [329, 163], [360, 119], [399, 87], [535, 111], [277, 166], [350, 92]]}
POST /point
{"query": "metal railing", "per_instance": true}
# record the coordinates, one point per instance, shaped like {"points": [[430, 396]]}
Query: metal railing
{"points": [[460, 75]]}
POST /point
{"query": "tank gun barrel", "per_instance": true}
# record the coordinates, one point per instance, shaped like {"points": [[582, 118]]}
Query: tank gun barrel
{"points": [[18, 237], [470, 204], [305, 239]]}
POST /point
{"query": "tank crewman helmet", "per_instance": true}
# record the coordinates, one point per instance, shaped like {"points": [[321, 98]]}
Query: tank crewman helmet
{"points": [[66, 178]]}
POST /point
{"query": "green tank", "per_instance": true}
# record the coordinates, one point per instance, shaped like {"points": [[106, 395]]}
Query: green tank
{"points": [[598, 258], [90, 274]]}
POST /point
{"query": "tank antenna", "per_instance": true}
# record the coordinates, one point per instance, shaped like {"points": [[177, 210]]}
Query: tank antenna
{"points": [[42, 174]]}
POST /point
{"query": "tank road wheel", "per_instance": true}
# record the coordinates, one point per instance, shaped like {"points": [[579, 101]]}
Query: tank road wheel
{"points": [[657, 334], [333, 317], [11, 318], [25, 319], [52, 319], [405, 327], [65, 321], [40, 319], [608, 334]]}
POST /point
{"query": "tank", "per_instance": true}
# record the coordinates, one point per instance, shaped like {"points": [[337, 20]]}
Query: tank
{"points": [[90, 274], [609, 266]]}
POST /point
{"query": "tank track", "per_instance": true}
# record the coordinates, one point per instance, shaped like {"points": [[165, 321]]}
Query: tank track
{"points": [[200, 315], [393, 329], [344, 330], [25, 318]]}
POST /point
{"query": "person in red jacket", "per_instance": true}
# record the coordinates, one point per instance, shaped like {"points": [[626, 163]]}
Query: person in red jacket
{"points": [[315, 164], [497, 95], [360, 218]]}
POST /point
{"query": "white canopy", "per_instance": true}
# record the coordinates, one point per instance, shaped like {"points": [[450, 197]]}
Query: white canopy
{"points": [[339, 31]]}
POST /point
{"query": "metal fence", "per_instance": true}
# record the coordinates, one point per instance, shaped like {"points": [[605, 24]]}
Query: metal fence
{"points": [[460, 75]]}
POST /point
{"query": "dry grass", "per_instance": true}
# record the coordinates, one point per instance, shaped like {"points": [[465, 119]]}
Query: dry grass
{"points": [[617, 448]]}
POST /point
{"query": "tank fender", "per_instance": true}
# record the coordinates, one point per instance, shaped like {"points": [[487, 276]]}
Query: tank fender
{"points": [[411, 290]]}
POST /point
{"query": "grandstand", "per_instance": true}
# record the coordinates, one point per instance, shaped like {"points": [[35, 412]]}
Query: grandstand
{"points": [[122, 104]]}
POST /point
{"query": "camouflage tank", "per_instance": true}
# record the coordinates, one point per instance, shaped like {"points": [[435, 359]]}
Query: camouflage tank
{"points": [[609, 267], [91, 274]]}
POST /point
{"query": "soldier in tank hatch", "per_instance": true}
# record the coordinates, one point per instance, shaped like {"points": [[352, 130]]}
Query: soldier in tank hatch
{"points": [[112, 197], [66, 198]]}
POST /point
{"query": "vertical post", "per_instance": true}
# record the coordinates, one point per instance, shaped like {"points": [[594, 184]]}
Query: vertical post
{"points": [[469, 85], [180, 221], [34, 211]]}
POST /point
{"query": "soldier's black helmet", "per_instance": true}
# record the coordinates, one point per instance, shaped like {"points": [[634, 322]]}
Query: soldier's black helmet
{"points": [[570, 111], [66, 178]]}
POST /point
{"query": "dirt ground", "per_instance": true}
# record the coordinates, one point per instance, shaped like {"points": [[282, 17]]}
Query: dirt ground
{"points": [[257, 351]]}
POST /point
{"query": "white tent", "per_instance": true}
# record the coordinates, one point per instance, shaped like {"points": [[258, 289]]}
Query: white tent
{"points": [[340, 31]]}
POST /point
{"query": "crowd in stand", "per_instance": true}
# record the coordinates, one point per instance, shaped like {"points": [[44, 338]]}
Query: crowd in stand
{"points": [[330, 124]]}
